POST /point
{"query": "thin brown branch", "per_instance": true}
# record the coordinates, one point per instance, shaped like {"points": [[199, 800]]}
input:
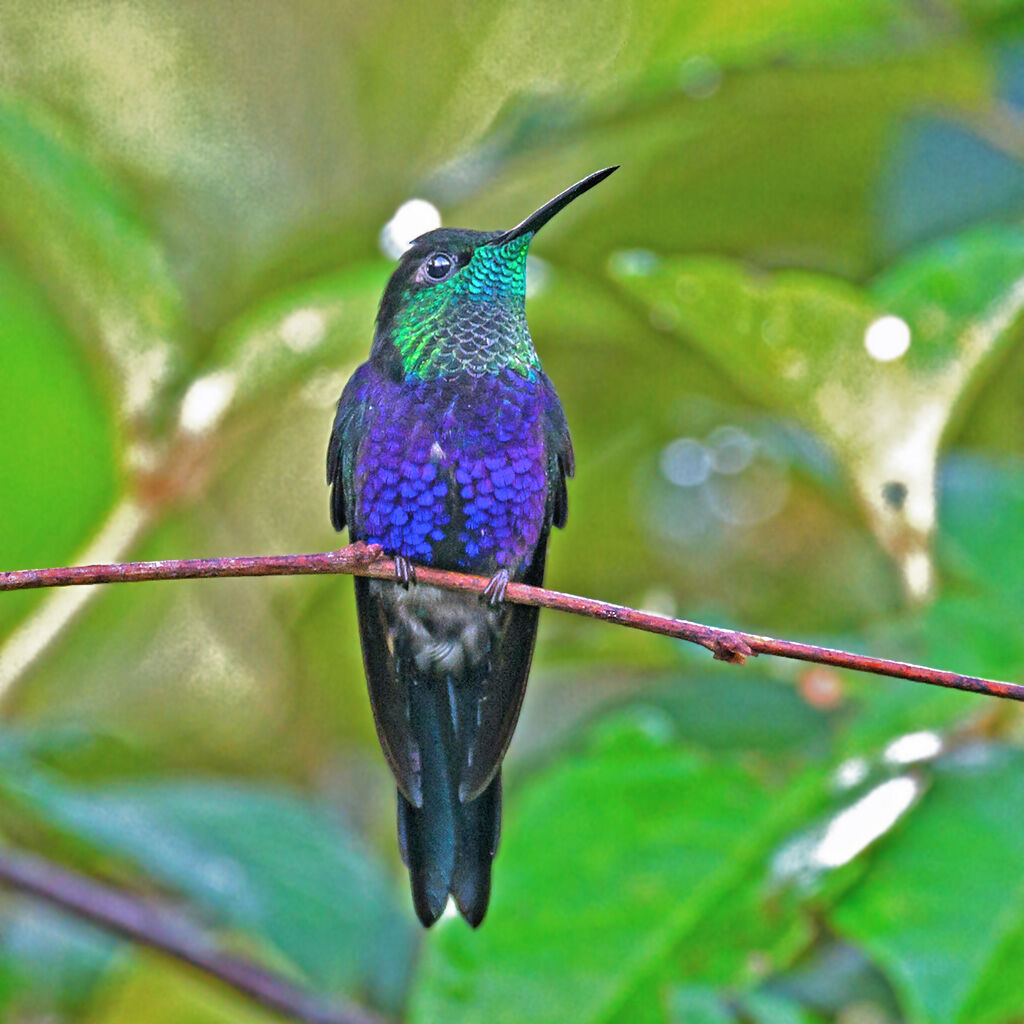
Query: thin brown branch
{"points": [[168, 932], [360, 560]]}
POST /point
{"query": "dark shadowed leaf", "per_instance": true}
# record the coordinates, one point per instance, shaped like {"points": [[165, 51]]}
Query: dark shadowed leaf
{"points": [[257, 859], [54, 961], [974, 624]]}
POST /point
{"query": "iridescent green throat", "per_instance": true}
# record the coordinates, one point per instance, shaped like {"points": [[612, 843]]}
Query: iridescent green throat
{"points": [[474, 322]]}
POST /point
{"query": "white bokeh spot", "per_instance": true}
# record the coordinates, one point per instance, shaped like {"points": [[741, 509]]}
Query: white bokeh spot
{"points": [[206, 400], [887, 338], [857, 827], [913, 747], [410, 220], [304, 329], [852, 772], [685, 462]]}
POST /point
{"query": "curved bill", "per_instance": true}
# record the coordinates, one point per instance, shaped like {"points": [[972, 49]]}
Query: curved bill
{"points": [[539, 218]]}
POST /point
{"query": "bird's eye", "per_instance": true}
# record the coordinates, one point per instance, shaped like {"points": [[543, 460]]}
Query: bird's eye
{"points": [[439, 265]]}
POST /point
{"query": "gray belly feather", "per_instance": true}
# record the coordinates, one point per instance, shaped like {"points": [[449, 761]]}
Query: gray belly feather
{"points": [[448, 635]]}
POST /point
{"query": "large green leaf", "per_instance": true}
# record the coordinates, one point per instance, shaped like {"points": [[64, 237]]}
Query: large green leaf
{"points": [[799, 343], [942, 907], [609, 862], [58, 461]]}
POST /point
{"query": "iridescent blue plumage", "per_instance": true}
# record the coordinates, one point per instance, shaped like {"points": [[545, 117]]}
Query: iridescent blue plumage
{"points": [[459, 466], [450, 449]]}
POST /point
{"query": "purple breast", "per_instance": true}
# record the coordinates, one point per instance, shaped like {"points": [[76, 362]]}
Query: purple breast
{"points": [[456, 468]]}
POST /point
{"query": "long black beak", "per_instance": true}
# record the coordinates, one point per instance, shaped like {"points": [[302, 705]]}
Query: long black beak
{"points": [[538, 219]]}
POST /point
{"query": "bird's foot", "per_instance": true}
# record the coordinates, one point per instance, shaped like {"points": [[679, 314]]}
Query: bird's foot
{"points": [[405, 571], [494, 592], [731, 647]]}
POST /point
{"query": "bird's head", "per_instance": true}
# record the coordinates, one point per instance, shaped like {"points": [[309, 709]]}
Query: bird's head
{"points": [[457, 299]]}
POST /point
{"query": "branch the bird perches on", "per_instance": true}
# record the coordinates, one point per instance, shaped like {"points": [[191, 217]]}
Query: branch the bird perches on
{"points": [[363, 560]]}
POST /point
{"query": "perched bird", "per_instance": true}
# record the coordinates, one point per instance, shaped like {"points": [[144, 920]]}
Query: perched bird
{"points": [[450, 449]]}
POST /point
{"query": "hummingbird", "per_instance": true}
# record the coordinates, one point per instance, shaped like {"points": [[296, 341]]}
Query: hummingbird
{"points": [[450, 449]]}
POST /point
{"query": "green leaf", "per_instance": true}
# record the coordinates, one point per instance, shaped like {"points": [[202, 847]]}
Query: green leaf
{"points": [[942, 907], [609, 861], [798, 342], [79, 232], [980, 537], [696, 1004], [721, 710], [58, 465], [755, 930], [257, 859]]}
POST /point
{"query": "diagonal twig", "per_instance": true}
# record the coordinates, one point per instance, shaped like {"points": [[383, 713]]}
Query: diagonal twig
{"points": [[170, 933], [363, 560]]}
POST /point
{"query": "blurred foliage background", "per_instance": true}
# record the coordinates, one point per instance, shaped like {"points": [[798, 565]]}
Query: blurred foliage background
{"points": [[787, 337]]}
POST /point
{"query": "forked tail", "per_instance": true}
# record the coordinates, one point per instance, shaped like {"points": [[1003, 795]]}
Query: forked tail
{"points": [[447, 845]]}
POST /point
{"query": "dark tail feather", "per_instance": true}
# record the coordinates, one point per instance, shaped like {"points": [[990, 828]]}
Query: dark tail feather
{"points": [[443, 858], [476, 843], [427, 853], [447, 845], [426, 834]]}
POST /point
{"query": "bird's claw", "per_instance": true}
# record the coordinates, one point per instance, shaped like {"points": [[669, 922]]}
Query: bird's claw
{"points": [[405, 571], [731, 647], [494, 592]]}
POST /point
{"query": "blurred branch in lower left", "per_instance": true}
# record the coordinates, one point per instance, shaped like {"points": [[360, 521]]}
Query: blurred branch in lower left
{"points": [[170, 933]]}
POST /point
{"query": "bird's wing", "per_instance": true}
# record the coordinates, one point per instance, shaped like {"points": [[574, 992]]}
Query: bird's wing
{"points": [[343, 445], [497, 704], [561, 461], [388, 697], [388, 685]]}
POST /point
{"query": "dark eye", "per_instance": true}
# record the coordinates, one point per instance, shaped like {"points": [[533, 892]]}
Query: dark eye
{"points": [[439, 265]]}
